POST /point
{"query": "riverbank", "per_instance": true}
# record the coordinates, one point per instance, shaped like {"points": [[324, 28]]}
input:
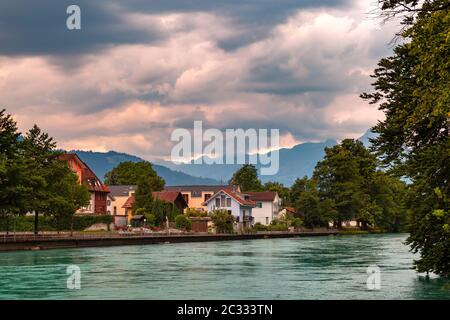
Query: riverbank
{"points": [[64, 241]]}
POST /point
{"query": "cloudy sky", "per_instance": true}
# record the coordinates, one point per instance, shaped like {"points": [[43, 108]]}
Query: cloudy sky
{"points": [[139, 69]]}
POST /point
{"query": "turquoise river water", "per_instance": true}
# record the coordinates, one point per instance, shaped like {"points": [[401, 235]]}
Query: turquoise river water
{"points": [[331, 267]]}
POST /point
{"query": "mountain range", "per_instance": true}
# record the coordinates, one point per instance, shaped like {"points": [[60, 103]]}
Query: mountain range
{"points": [[294, 162], [102, 162]]}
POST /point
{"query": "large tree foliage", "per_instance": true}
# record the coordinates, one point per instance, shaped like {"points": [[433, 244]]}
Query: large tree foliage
{"points": [[283, 192], [412, 89], [132, 173], [143, 195], [344, 176], [32, 178], [346, 185], [247, 178]]}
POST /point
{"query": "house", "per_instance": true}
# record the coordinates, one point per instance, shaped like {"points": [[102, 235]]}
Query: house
{"points": [[121, 193], [99, 191], [174, 197], [195, 196], [268, 204], [167, 196], [237, 204], [290, 211]]}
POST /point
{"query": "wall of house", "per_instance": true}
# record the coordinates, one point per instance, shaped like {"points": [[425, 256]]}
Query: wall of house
{"points": [[264, 215], [196, 202], [235, 207], [118, 203]]}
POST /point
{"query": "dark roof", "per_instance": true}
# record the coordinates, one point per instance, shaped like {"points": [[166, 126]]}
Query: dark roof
{"points": [[199, 188], [121, 190], [168, 196], [262, 196], [137, 217]]}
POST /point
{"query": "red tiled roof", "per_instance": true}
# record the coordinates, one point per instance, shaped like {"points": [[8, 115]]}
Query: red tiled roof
{"points": [[129, 203], [168, 196], [239, 197], [290, 209], [262, 196], [88, 176]]}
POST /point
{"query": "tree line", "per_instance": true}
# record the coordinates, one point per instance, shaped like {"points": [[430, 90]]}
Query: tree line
{"points": [[32, 178], [346, 185]]}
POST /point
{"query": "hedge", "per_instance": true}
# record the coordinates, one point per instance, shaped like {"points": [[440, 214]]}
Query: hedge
{"points": [[49, 223]]}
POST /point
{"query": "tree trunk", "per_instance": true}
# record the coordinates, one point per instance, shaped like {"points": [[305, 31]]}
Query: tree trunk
{"points": [[7, 224], [36, 222]]}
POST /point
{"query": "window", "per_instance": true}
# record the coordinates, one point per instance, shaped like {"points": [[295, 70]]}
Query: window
{"points": [[115, 210], [229, 212], [207, 196], [228, 202], [259, 204], [108, 202], [222, 201], [196, 194], [217, 202], [267, 220]]}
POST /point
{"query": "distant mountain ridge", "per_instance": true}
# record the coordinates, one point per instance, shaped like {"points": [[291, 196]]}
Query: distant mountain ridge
{"points": [[294, 163], [102, 162]]}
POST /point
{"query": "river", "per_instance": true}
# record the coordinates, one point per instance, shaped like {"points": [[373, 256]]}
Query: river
{"points": [[331, 267]]}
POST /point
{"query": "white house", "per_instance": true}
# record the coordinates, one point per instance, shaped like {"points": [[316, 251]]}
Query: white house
{"points": [[268, 204], [237, 204]]}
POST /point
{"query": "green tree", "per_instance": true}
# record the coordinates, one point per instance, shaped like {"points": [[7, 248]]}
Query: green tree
{"points": [[65, 194], [132, 173], [32, 179], [283, 192], [308, 203], [411, 88], [13, 177], [38, 149], [143, 198], [247, 178], [297, 188], [344, 176]]}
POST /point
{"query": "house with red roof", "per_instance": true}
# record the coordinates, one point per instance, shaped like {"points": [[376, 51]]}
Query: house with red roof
{"points": [[235, 203], [268, 205], [99, 192], [174, 197]]}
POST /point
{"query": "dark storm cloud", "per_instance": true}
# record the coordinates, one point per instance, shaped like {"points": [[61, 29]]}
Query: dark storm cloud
{"points": [[39, 27]]}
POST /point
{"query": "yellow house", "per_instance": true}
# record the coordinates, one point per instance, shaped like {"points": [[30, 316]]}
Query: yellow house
{"points": [[120, 193], [195, 196]]}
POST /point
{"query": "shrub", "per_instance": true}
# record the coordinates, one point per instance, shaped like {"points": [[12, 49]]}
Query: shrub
{"points": [[278, 225], [191, 212], [296, 223], [260, 227], [183, 222], [150, 219], [223, 221], [50, 223]]}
